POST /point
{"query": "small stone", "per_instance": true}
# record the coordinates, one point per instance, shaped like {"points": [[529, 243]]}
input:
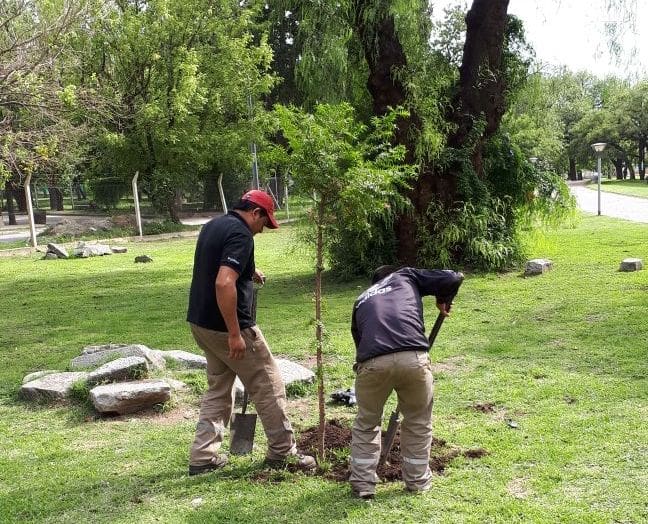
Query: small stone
{"points": [[537, 266], [143, 259], [119, 249], [50, 256], [198, 501], [631, 264]]}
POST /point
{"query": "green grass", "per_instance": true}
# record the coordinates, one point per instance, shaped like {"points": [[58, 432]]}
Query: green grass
{"points": [[563, 355], [637, 188]]}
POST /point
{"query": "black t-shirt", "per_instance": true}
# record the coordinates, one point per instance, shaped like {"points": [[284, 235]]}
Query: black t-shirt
{"points": [[223, 241], [388, 317]]}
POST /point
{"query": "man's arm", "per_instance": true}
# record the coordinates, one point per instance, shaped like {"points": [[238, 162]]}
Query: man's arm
{"points": [[226, 295]]}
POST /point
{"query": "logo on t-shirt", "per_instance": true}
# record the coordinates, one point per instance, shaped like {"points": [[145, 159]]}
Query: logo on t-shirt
{"points": [[233, 261], [376, 289]]}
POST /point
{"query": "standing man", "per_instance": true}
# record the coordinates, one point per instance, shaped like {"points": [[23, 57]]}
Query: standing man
{"points": [[220, 317], [392, 354]]}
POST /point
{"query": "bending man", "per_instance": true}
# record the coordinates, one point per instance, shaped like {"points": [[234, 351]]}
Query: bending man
{"points": [[392, 354]]}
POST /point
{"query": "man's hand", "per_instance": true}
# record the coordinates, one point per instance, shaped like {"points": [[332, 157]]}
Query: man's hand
{"points": [[236, 347], [444, 308], [258, 277]]}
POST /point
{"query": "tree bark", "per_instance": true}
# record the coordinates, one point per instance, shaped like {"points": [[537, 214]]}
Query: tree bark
{"points": [[55, 198], [210, 192], [9, 195], [573, 174], [618, 167], [642, 158]]}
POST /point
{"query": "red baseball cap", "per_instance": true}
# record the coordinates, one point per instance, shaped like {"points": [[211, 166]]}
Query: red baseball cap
{"points": [[265, 202]]}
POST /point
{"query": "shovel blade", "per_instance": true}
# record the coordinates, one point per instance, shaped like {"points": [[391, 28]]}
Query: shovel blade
{"points": [[242, 431]]}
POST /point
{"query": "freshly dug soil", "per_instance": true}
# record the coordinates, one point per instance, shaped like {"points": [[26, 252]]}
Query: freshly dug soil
{"points": [[337, 442]]}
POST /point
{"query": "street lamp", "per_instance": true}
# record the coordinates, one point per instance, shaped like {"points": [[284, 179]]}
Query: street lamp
{"points": [[598, 148]]}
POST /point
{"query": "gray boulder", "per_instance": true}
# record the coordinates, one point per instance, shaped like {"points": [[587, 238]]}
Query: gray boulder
{"points": [[631, 264], [537, 266], [121, 369], [119, 249], [101, 347], [84, 250], [129, 397], [92, 360], [54, 386]]}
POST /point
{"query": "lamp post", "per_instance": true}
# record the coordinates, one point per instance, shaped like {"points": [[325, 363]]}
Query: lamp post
{"points": [[598, 148]]}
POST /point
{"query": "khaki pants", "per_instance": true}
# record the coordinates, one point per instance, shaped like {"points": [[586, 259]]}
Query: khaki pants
{"points": [[262, 379], [410, 374]]}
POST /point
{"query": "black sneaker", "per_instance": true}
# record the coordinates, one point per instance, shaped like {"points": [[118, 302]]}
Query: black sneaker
{"points": [[298, 461], [363, 495], [216, 463]]}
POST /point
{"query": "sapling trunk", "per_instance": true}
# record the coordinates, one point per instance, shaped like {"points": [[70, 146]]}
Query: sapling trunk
{"points": [[318, 329]]}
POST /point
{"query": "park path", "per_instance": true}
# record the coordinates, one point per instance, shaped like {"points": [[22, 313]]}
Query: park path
{"points": [[612, 205]]}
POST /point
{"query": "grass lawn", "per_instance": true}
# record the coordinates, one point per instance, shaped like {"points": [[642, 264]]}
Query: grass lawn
{"points": [[638, 188], [563, 355]]}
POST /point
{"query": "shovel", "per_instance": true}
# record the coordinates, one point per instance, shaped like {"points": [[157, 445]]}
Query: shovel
{"points": [[242, 430], [243, 425], [392, 428]]}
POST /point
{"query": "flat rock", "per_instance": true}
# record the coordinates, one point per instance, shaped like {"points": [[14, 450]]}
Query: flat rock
{"points": [[121, 369], [631, 264], [184, 358], [537, 266], [97, 358], [129, 397], [290, 372], [57, 249], [54, 386], [84, 250], [51, 256], [101, 347], [38, 374], [119, 249]]}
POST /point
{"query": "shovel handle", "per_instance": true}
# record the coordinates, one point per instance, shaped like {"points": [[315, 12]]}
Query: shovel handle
{"points": [[245, 402]]}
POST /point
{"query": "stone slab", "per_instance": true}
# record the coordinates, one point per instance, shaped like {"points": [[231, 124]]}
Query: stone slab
{"points": [[120, 369], [57, 249], [129, 397], [119, 249], [97, 358], [184, 358], [54, 386], [38, 374]]}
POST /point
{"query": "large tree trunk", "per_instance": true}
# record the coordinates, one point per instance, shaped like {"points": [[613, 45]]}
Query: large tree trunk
{"points": [[9, 195], [21, 198], [642, 158], [573, 174], [479, 97], [618, 167], [210, 192], [55, 198]]}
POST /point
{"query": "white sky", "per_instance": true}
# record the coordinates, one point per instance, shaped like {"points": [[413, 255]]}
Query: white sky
{"points": [[572, 33]]}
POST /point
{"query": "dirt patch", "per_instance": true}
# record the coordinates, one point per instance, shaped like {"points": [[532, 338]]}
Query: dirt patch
{"points": [[483, 407], [449, 365], [338, 441], [79, 226]]}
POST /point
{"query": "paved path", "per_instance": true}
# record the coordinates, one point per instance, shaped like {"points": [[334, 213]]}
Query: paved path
{"points": [[612, 205]]}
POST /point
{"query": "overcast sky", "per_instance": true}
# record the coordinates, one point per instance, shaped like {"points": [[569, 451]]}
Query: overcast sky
{"points": [[572, 33]]}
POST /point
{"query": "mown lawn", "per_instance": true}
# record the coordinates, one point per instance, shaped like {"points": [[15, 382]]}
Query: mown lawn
{"points": [[638, 188], [563, 356]]}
